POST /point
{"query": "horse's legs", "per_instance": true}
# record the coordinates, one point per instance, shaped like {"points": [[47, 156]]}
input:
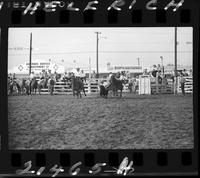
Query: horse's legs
{"points": [[39, 89], [18, 88], [116, 92], [52, 89], [30, 88], [84, 91], [28, 91], [120, 93], [11, 89]]}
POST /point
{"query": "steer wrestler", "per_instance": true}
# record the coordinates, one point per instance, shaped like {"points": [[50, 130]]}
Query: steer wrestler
{"points": [[103, 90]]}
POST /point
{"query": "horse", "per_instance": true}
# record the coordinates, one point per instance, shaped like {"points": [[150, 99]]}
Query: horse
{"points": [[42, 83], [51, 84], [33, 85], [13, 84], [116, 85], [77, 86], [25, 86]]}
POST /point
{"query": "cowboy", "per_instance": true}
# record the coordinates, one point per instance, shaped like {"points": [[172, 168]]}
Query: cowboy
{"points": [[184, 72], [43, 74], [182, 82], [83, 76], [108, 83], [49, 74], [122, 76], [77, 72], [32, 76]]}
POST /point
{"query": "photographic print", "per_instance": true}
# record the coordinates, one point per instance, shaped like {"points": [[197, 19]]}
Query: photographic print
{"points": [[100, 88]]}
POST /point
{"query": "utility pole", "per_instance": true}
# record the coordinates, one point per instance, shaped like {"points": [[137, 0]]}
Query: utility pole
{"points": [[97, 54], [30, 54], [175, 61], [89, 83], [161, 57], [138, 59]]}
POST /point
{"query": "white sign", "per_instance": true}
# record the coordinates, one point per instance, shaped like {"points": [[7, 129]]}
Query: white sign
{"points": [[37, 67]]}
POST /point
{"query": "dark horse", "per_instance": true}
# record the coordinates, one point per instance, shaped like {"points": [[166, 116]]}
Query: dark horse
{"points": [[116, 85], [33, 85], [77, 86]]}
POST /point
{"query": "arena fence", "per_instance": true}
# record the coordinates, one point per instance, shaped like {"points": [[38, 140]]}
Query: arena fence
{"points": [[188, 85], [92, 87]]}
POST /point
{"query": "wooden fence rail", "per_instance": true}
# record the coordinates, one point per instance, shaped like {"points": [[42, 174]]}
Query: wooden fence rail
{"points": [[92, 86]]}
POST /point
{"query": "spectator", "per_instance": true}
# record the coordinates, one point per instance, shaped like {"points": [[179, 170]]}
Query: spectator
{"points": [[145, 72], [136, 84], [14, 76], [182, 82], [159, 78], [10, 76], [93, 74], [184, 72], [190, 72]]}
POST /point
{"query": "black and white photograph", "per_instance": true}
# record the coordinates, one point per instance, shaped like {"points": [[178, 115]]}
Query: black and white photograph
{"points": [[100, 88]]}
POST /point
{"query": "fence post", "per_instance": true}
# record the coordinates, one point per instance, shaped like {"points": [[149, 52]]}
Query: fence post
{"points": [[89, 85], [156, 84]]}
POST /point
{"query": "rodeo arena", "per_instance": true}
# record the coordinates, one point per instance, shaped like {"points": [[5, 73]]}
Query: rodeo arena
{"points": [[124, 107]]}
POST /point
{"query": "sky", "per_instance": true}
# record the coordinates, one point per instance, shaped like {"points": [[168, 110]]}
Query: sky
{"points": [[119, 46]]}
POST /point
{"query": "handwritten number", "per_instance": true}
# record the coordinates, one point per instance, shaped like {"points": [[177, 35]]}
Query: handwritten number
{"points": [[56, 170], [124, 168], [39, 172], [28, 166]]}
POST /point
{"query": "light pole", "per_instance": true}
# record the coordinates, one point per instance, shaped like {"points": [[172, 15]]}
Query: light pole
{"points": [[30, 54], [97, 54]]}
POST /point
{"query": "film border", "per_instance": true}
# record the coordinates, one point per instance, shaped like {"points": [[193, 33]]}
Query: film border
{"points": [[146, 162]]}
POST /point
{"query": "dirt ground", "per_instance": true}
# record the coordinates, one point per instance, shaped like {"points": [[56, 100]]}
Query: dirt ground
{"points": [[131, 122]]}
